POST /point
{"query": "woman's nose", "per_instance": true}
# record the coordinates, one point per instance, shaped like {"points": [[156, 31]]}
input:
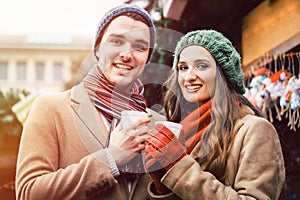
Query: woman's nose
{"points": [[190, 74]]}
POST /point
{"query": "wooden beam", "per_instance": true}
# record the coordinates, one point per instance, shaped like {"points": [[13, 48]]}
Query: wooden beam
{"points": [[173, 9], [272, 27]]}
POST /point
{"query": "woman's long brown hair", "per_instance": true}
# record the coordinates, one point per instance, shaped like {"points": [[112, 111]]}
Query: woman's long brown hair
{"points": [[218, 139]]}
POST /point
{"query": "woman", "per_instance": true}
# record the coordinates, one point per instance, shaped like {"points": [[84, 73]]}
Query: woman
{"points": [[226, 150]]}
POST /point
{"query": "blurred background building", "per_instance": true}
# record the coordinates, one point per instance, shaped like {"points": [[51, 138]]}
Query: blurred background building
{"points": [[40, 63]]}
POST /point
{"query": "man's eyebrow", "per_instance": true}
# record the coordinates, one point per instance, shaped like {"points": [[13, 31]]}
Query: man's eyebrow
{"points": [[123, 37], [117, 35]]}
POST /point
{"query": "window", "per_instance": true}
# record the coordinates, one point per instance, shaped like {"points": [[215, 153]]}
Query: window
{"points": [[58, 70], [40, 71], [21, 71], [3, 70]]}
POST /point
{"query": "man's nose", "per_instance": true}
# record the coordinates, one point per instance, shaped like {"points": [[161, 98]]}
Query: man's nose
{"points": [[126, 52]]}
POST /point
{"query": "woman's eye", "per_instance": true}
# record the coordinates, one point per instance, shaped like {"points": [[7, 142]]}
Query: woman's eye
{"points": [[201, 66], [182, 67]]}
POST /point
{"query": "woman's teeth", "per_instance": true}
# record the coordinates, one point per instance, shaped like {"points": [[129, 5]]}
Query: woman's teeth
{"points": [[192, 87]]}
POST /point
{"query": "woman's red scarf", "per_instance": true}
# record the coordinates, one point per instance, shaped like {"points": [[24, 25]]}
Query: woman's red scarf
{"points": [[195, 124], [108, 100]]}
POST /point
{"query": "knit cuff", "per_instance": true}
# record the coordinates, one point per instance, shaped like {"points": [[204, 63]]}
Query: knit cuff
{"points": [[112, 164]]}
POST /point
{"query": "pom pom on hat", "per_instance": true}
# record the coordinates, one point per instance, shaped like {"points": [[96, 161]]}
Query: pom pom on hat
{"points": [[221, 49], [122, 10]]}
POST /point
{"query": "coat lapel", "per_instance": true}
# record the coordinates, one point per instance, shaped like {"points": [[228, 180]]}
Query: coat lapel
{"points": [[89, 124]]}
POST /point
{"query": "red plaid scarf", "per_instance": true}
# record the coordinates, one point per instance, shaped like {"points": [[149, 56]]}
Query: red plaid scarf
{"points": [[108, 100], [110, 103], [195, 124]]}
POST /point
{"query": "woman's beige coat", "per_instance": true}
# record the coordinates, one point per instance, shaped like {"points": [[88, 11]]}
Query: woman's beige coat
{"points": [[61, 153], [255, 168]]}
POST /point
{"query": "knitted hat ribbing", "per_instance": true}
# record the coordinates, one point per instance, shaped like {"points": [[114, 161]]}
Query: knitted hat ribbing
{"points": [[122, 10], [221, 49]]}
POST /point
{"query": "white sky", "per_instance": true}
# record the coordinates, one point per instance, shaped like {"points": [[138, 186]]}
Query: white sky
{"points": [[47, 17]]}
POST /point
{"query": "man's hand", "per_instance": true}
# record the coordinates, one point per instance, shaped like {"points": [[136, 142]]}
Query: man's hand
{"points": [[125, 144]]}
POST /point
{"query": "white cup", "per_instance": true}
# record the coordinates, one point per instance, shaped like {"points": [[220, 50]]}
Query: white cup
{"points": [[129, 117], [172, 126]]}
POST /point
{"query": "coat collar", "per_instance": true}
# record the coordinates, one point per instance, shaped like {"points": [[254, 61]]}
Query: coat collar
{"points": [[87, 117]]}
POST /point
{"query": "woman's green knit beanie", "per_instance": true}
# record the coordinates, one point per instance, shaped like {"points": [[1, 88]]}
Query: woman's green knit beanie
{"points": [[221, 49]]}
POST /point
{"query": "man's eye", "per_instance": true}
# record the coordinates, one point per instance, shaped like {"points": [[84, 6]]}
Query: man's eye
{"points": [[115, 41], [140, 47]]}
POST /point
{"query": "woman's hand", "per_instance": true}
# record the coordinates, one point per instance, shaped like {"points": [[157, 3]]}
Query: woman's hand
{"points": [[163, 150]]}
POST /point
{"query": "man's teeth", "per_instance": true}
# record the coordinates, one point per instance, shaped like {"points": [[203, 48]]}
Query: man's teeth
{"points": [[123, 66]]}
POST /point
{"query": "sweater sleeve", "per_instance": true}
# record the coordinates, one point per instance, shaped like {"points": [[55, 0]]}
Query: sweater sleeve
{"points": [[38, 173], [259, 172]]}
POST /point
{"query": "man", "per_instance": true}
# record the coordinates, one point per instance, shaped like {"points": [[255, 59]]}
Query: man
{"points": [[72, 146]]}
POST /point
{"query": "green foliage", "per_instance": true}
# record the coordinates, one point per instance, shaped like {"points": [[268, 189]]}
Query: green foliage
{"points": [[9, 124]]}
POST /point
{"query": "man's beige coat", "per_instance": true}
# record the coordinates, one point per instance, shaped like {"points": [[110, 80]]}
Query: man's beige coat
{"points": [[61, 153]]}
